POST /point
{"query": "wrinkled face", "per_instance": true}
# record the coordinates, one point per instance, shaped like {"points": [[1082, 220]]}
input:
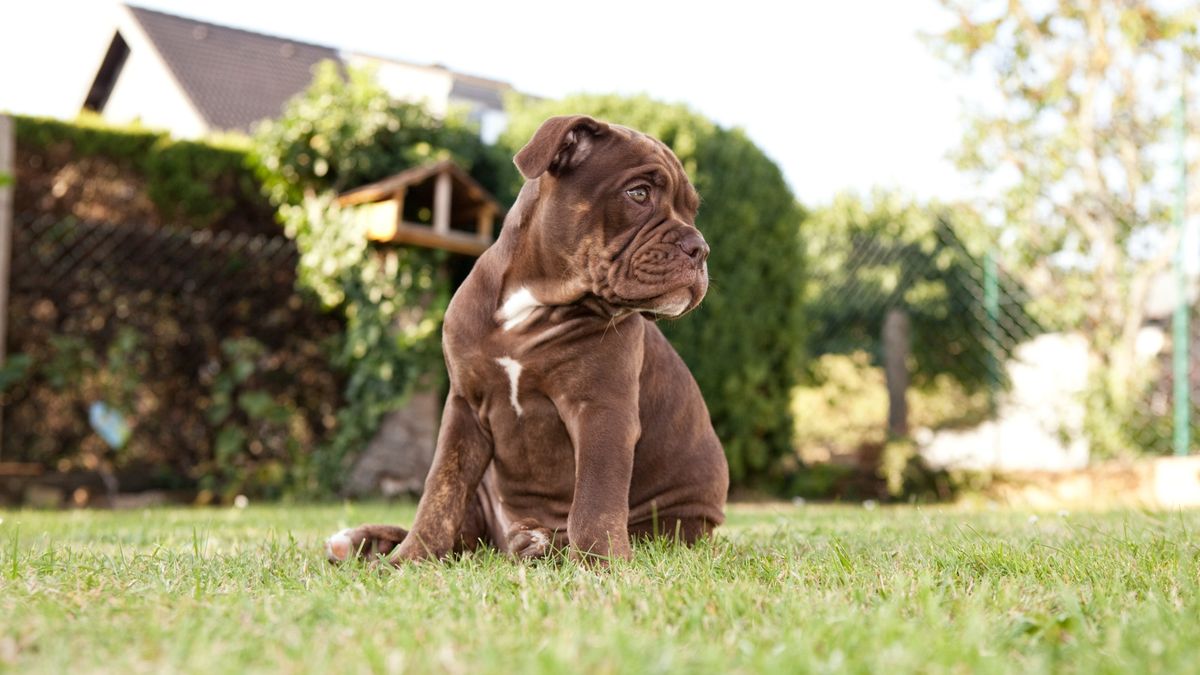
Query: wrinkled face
{"points": [[623, 207]]}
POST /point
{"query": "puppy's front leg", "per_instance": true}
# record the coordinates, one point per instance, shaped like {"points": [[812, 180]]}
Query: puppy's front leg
{"points": [[463, 453], [604, 439]]}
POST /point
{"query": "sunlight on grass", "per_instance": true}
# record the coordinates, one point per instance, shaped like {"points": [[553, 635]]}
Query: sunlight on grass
{"points": [[781, 589]]}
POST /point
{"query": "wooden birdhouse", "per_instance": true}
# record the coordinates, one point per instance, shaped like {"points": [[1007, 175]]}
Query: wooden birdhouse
{"points": [[436, 205]]}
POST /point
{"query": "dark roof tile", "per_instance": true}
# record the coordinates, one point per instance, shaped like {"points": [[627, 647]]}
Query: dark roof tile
{"points": [[233, 77]]}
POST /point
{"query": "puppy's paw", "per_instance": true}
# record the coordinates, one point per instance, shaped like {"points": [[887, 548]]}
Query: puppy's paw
{"points": [[528, 539], [339, 547], [365, 541]]}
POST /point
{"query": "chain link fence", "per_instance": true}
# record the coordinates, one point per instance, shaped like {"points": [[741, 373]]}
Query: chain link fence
{"points": [[173, 357], [201, 345], [918, 338]]}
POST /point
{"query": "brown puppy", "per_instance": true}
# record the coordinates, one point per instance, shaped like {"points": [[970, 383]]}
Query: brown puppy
{"points": [[570, 419]]}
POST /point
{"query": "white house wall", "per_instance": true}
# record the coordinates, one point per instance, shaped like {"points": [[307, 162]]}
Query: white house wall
{"points": [[407, 82], [492, 123], [146, 91]]}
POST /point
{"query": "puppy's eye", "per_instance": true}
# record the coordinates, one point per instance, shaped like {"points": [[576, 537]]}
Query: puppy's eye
{"points": [[639, 194]]}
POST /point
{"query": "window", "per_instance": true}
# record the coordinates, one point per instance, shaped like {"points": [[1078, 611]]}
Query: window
{"points": [[106, 77]]}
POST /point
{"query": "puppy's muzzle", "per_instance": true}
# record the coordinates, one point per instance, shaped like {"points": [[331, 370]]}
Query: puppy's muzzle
{"points": [[694, 247]]}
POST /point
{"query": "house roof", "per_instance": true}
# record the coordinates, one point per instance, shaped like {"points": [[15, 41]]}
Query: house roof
{"points": [[233, 77]]}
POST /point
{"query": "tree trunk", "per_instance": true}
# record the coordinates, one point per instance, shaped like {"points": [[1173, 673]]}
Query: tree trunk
{"points": [[896, 348]]}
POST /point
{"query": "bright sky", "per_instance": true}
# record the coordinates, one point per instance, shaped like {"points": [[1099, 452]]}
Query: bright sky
{"points": [[843, 95]]}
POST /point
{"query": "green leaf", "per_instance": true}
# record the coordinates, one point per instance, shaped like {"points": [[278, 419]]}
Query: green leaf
{"points": [[256, 404], [230, 442], [14, 370], [219, 409], [241, 370]]}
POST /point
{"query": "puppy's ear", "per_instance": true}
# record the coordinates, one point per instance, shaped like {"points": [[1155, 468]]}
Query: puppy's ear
{"points": [[560, 144]]}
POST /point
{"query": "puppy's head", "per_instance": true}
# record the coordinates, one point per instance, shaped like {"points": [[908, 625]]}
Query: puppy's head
{"points": [[617, 208]]}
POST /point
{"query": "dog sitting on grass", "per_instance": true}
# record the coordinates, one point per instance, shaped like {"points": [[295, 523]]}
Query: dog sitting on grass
{"points": [[571, 421]]}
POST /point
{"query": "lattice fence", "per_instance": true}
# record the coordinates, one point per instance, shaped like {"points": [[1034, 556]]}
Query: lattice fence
{"points": [[185, 334], [985, 383]]}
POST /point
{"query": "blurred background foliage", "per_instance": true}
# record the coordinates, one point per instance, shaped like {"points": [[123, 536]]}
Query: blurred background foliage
{"points": [[878, 255], [789, 346], [345, 131], [885, 251], [1075, 146], [85, 169], [342, 132], [197, 344], [784, 290]]}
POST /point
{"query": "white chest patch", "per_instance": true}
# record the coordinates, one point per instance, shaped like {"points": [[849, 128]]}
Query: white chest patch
{"points": [[513, 368], [517, 308]]}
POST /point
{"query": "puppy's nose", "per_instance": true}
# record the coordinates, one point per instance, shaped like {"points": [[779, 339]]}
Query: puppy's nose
{"points": [[694, 246]]}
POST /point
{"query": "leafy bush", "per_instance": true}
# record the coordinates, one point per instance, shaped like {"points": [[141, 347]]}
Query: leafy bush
{"points": [[243, 423], [340, 133], [89, 136], [259, 435], [200, 184], [1139, 422], [744, 342], [112, 376], [15, 370], [845, 408], [197, 183], [121, 340], [346, 131], [392, 301], [841, 418]]}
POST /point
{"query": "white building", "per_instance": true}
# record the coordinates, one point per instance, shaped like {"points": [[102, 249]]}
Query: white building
{"points": [[191, 78]]}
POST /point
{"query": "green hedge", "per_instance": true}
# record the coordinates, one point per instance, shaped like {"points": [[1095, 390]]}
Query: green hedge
{"points": [[201, 184]]}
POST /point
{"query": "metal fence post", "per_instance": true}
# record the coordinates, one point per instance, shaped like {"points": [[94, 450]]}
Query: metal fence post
{"points": [[1181, 337], [991, 306], [7, 178]]}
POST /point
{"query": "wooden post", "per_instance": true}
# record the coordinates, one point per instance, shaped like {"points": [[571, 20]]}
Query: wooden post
{"points": [[7, 178], [896, 347], [487, 219], [441, 203]]}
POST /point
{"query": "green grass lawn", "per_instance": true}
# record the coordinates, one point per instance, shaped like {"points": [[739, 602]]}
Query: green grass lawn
{"points": [[813, 589]]}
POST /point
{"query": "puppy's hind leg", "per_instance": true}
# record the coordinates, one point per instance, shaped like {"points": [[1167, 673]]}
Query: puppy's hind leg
{"points": [[378, 541], [364, 541], [525, 538]]}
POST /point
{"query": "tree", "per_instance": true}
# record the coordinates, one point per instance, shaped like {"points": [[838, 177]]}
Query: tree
{"points": [[1072, 152], [744, 342], [889, 266], [886, 251]]}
